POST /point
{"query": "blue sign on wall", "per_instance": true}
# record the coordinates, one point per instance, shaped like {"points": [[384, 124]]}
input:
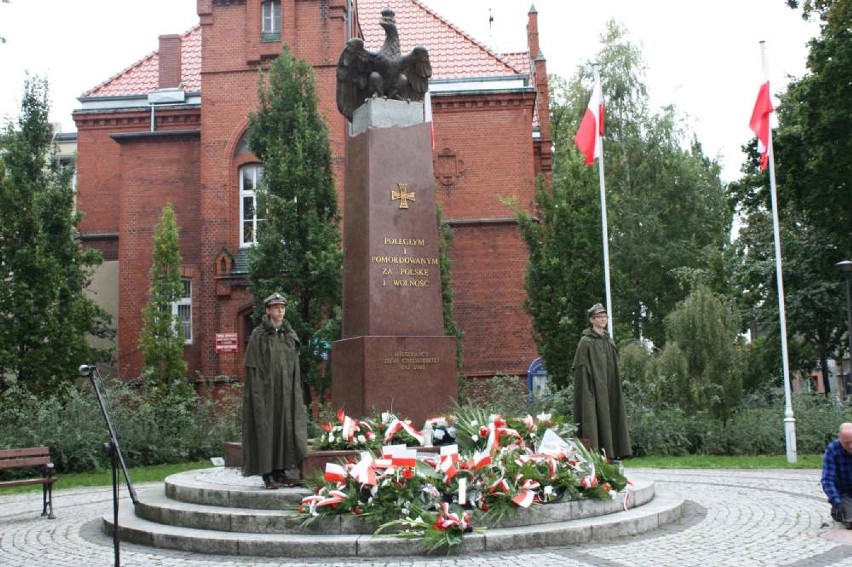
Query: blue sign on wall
{"points": [[537, 382]]}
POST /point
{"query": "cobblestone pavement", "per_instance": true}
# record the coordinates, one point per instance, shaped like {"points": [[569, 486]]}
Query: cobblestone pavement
{"points": [[733, 518]]}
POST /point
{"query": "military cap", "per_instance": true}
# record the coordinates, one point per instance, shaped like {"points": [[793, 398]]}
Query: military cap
{"points": [[595, 309], [275, 299]]}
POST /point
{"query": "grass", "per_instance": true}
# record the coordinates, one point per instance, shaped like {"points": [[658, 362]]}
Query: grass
{"points": [[726, 462], [156, 473]]}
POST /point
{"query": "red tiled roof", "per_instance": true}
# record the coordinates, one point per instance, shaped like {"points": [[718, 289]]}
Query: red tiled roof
{"points": [[453, 53], [143, 76], [520, 61]]}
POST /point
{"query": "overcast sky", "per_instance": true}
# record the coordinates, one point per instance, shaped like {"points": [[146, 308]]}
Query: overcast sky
{"points": [[703, 56]]}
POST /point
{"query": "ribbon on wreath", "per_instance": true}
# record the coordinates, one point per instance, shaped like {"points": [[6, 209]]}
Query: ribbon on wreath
{"points": [[527, 494], [539, 458], [364, 471], [349, 426], [496, 429], [628, 496], [448, 520], [333, 498], [590, 480], [397, 425]]}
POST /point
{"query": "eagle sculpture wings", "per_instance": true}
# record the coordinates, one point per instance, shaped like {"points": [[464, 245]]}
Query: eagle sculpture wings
{"points": [[363, 74]]}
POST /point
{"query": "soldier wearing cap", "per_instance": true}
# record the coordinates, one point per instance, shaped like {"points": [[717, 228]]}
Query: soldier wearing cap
{"points": [[598, 401], [274, 439]]}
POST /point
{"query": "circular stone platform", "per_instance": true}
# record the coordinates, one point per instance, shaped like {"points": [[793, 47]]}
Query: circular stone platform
{"points": [[219, 511]]}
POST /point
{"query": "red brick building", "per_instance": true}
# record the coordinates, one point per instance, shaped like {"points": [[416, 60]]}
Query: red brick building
{"points": [[171, 128]]}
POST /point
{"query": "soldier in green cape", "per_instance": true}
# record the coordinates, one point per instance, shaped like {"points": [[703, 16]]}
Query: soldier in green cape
{"points": [[274, 439], [598, 401]]}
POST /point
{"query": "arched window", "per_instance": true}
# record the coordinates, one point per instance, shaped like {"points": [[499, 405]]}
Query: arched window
{"points": [[250, 177]]}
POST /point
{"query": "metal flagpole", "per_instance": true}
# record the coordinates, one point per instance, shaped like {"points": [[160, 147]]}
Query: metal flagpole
{"points": [[789, 419], [603, 211]]}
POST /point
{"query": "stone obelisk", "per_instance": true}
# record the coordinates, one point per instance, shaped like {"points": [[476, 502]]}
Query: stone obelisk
{"points": [[394, 354]]}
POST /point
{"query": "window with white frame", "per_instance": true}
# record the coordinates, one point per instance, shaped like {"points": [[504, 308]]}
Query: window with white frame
{"points": [[182, 310], [271, 16], [250, 177]]}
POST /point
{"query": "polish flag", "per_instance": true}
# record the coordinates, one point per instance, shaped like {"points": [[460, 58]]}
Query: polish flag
{"points": [[759, 123], [334, 473], [588, 138]]}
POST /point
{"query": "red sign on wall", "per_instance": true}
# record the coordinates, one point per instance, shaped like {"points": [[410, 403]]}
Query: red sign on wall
{"points": [[226, 342]]}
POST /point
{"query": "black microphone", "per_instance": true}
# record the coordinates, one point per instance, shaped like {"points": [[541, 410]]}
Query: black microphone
{"points": [[85, 370]]}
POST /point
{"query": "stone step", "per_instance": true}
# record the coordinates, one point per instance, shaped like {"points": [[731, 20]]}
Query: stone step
{"points": [[665, 507], [199, 507], [220, 486]]}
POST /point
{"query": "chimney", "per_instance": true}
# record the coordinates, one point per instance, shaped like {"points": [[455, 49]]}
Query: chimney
{"points": [[170, 62]]}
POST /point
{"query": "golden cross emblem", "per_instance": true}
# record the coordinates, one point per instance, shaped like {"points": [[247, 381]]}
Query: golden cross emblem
{"points": [[403, 196]]}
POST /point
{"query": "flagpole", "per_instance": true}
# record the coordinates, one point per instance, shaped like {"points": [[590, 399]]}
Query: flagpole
{"points": [[609, 306], [789, 419]]}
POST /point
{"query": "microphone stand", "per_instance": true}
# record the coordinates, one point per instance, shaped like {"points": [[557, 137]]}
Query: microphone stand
{"points": [[113, 449]]}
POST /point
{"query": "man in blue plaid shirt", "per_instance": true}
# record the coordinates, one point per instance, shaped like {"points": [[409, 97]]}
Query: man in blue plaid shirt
{"points": [[837, 475]]}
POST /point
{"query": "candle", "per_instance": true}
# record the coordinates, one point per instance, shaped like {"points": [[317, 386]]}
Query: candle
{"points": [[462, 491]]}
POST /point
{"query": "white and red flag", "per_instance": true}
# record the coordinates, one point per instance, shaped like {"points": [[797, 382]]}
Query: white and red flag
{"points": [[588, 137], [759, 123]]}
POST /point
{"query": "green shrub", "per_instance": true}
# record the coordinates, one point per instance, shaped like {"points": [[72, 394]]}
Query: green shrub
{"points": [[169, 429], [754, 428]]}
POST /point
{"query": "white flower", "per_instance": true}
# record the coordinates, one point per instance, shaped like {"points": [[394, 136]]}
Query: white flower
{"points": [[361, 439], [543, 417], [475, 437]]}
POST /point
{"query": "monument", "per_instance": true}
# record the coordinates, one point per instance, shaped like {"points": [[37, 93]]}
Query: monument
{"points": [[393, 354]]}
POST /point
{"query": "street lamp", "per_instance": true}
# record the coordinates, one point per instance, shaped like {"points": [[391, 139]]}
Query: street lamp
{"points": [[846, 266]]}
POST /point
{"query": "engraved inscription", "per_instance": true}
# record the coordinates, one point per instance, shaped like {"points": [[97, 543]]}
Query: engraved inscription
{"points": [[410, 360]]}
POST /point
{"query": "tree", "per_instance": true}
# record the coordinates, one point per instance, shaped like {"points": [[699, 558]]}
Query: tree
{"points": [[814, 138], [812, 286], [563, 274], [814, 202], [298, 248], [161, 340], [667, 206], [667, 213], [43, 264], [703, 331]]}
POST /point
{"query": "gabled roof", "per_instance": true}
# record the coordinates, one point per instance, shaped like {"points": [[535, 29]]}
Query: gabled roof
{"points": [[453, 53], [142, 77]]}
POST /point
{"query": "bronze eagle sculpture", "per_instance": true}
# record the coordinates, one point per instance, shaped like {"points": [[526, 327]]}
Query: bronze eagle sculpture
{"points": [[362, 74]]}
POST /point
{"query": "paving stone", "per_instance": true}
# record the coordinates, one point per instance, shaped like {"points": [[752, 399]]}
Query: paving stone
{"points": [[736, 518]]}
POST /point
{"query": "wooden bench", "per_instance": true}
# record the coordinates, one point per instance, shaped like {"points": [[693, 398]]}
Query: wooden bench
{"points": [[31, 457]]}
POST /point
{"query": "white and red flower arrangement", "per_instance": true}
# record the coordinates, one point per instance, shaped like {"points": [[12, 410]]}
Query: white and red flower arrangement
{"points": [[347, 433], [496, 466]]}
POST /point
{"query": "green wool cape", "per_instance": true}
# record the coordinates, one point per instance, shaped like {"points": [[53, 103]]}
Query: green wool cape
{"points": [[275, 421], [598, 401]]}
